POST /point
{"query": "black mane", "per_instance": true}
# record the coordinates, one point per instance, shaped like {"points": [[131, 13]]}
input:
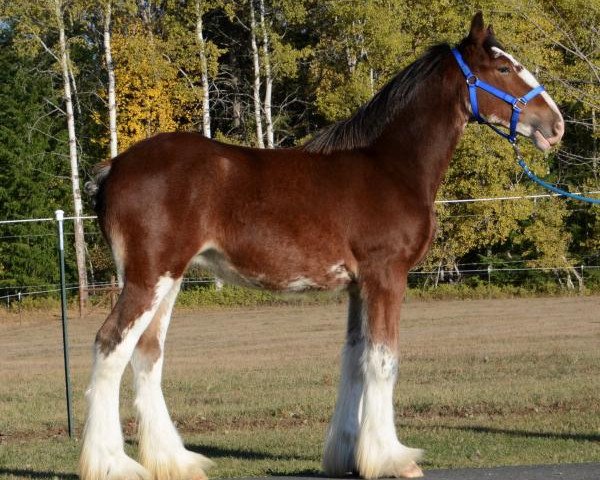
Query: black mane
{"points": [[369, 121]]}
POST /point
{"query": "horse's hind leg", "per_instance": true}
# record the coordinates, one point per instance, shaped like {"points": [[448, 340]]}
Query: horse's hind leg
{"points": [[161, 449], [102, 454], [340, 443]]}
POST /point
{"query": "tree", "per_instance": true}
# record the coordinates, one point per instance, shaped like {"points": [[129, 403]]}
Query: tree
{"points": [[110, 70], [37, 27], [73, 156], [268, 76], [256, 83], [32, 180], [204, 70], [361, 45]]}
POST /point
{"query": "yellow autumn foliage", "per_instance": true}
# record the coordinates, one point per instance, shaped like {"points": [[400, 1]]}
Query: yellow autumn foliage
{"points": [[145, 82]]}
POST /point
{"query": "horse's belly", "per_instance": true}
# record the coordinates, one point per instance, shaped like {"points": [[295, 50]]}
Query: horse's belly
{"points": [[281, 276]]}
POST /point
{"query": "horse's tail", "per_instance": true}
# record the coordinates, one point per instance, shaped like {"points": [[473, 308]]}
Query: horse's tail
{"points": [[94, 186]]}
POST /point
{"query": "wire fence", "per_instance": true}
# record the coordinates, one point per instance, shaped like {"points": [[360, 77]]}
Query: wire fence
{"points": [[20, 292], [11, 292]]}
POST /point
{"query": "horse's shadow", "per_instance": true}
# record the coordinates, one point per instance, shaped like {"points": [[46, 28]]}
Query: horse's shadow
{"points": [[578, 437], [26, 473], [215, 452], [211, 451]]}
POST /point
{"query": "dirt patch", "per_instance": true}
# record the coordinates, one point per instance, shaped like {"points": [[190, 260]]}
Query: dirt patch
{"points": [[247, 338]]}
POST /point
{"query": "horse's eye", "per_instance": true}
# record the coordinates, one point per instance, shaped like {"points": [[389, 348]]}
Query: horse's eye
{"points": [[504, 70]]}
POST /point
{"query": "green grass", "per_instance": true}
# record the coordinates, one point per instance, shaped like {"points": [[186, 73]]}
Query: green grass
{"points": [[482, 383]]}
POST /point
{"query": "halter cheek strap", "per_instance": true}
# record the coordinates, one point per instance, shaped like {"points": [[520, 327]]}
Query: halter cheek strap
{"points": [[517, 104]]}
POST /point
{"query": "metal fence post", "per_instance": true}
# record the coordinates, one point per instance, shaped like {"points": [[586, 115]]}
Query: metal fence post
{"points": [[63, 306]]}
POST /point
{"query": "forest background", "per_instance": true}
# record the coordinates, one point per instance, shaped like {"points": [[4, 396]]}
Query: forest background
{"points": [[81, 80]]}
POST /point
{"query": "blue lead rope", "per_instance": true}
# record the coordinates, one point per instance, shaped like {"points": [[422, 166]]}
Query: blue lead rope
{"points": [[517, 107], [549, 186]]}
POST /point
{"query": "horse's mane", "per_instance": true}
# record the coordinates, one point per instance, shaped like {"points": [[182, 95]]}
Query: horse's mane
{"points": [[369, 121]]}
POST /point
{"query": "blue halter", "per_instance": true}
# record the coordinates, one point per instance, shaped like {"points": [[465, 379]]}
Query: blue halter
{"points": [[517, 106], [517, 103]]}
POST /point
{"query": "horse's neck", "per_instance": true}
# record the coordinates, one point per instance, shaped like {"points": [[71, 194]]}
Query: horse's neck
{"points": [[418, 144]]}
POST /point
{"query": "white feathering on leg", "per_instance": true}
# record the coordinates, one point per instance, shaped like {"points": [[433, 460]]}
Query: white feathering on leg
{"points": [[162, 451], [340, 443], [378, 451], [102, 454]]}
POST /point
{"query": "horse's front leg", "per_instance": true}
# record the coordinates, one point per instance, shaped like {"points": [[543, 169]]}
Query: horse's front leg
{"points": [[362, 436]]}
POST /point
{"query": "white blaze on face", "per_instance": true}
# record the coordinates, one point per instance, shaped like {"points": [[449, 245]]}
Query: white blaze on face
{"points": [[526, 76]]}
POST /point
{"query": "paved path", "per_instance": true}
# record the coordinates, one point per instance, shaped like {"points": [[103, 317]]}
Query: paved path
{"points": [[581, 471]]}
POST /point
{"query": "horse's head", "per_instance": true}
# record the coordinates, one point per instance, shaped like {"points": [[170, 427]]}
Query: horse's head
{"points": [[539, 119]]}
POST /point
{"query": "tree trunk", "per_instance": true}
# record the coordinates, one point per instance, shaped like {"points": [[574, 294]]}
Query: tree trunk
{"points": [[112, 100], [268, 77], [257, 104], [75, 95], [594, 147], [203, 73], [78, 210]]}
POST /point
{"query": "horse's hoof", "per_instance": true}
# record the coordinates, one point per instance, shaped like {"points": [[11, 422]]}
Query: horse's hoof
{"points": [[412, 471]]}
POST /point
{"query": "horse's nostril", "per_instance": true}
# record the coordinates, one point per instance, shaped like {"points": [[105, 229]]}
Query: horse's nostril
{"points": [[559, 129]]}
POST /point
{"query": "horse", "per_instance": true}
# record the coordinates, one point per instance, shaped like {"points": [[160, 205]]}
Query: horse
{"points": [[351, 209]]}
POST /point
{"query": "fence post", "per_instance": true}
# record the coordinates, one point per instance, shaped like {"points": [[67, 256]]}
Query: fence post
{"points": [[63, 307]]}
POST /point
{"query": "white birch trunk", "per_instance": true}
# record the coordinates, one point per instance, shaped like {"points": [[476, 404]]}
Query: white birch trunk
{"points": [[78, 209], [112, 98], [268, 77], [257, 103], [203, 73], [74, 95]]}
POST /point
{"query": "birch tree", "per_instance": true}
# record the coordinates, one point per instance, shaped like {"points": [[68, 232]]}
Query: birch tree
{"points": [[73, 157], [268, 76], [256, 84], [203, 70], [112, 101]]}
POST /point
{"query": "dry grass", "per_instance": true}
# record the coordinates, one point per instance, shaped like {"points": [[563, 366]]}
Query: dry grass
{"points": [[486, 382]]}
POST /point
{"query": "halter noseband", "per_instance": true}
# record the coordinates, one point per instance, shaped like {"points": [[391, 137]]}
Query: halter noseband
{"points": [[517, 103]]}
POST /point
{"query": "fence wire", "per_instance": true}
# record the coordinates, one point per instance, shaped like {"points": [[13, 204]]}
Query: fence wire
{"points": [[11, 292]]}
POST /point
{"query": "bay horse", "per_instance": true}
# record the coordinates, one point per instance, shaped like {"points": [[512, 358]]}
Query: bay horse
{"points": [[353, 208]]}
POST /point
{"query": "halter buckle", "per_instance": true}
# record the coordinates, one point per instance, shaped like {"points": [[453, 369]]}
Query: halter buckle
{"points": [[519, 104], [472, 80]]}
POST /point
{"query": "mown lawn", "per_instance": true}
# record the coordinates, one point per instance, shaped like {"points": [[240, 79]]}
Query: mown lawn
{"points": [[482, 383]]}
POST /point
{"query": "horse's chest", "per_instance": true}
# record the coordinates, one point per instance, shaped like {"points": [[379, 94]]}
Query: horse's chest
{"points": [[411, 236]]}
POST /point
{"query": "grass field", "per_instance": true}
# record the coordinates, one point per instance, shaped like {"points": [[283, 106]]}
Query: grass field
{"points": [[482, 383]]}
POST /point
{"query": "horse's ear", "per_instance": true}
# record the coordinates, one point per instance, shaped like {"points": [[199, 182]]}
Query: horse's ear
{"points": [[490, 31], [478, 32]]}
